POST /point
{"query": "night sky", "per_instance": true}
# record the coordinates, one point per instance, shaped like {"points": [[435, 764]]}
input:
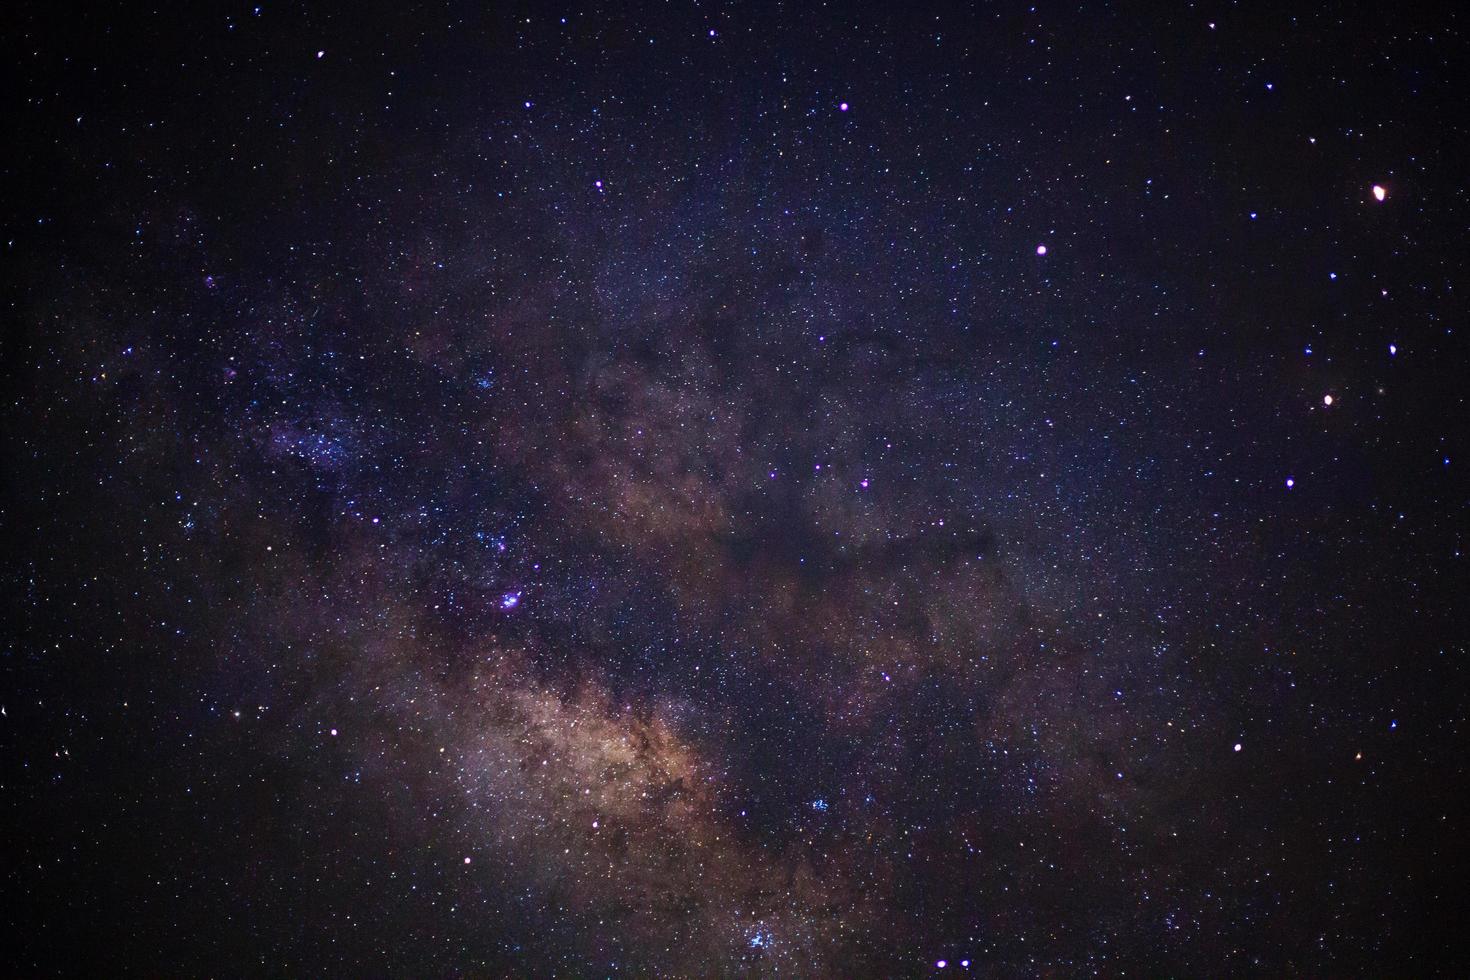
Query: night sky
{"points": [[734, 489]]}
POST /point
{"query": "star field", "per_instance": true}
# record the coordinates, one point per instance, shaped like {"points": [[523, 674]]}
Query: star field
{"points": [[694, 489]]}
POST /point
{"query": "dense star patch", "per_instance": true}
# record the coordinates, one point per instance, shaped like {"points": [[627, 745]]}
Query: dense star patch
{"points": [[745, 490]]}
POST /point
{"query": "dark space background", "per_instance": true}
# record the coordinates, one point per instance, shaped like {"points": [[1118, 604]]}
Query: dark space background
{"points": [[530, 490]]}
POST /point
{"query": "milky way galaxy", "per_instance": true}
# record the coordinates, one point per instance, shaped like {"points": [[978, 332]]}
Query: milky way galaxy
{"points": [[738, 490]]}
